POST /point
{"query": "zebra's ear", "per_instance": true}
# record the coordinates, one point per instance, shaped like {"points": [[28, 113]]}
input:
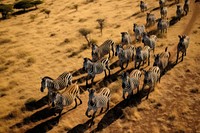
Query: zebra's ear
{"points": [[179, 36]]}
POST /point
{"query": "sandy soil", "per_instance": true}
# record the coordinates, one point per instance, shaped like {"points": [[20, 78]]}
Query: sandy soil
{"points": [[47, 46]]}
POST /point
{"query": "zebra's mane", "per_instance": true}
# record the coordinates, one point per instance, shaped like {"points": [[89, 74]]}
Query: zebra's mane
{"points": [[47, 77]]}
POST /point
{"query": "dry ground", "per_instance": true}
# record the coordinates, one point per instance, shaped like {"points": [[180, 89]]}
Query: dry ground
{"points": [[31, 49]]}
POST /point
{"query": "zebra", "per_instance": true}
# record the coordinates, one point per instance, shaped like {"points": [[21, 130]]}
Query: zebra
{"points": [[70, 95], [151, 77], [162, 60], [142, 54], [138, 30], [182, 46], [126, 38], [143, 6], [186, 7], [54, 85], [162, 25], [179, 12], [124, 55], [150, 19], [149, 41], [162, 3], [163, 12], [130, 82], [99, 51], [94, 68], [96, 101]]}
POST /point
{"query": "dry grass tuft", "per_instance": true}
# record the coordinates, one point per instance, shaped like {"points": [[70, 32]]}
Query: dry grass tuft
{"points": [[22, 55], [4, 41], [30, 61], [194, 90]]}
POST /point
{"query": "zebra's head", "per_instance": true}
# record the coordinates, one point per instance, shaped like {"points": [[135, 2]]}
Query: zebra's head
{"points": [[138, 52], [125, 79], [44, 83], [156, 60], [147, 78], [118, 49]]}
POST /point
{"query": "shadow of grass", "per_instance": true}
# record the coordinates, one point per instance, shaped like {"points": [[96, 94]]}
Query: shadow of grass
{"points": [[44, 126]]}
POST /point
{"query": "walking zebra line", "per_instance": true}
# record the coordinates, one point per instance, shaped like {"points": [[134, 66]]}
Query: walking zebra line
{"points": [[54, 85], [94, 68], [130, 82], [151, 77], [70, 95], [99, 51], [96, 101]]}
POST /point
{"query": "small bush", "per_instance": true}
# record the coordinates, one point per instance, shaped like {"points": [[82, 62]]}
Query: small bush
{"points": [[47, 12], [32, 17], [85, 32], [76, 7], [5, 9], [30, 61], [23, 4]]}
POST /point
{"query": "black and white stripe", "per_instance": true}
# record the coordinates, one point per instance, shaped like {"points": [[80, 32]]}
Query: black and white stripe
{"points": [[124, 55], [149, 41], [94, 68], [67, 97], [162, 26], [162, 60], [54, 85], [142, 55], [151, 77], [163, 12], [182, 46], [100, 51], [131, 82], [138, 30], [96, 101]]}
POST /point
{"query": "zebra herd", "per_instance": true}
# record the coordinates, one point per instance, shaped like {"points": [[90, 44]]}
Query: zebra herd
{"points": [[126, 52]]}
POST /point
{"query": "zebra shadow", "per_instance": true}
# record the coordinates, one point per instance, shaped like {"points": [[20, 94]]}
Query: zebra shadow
{"points": [[39, 115], [80, 128], [34, 105], [78, 72], [173, 21], [117, 111], [44, 126]]}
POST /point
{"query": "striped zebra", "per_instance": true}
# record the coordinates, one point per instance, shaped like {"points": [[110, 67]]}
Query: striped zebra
{"points": [[162, 26], [138, 30], [54, 85], [150, 19], [131, 82], [151, 77], [142, 55], [94, 68], [179, 12], [163, 12], [96, 101], [162, 60], [124, 55], [186, 7], [182, 46], [149, 41], [66, 98], [99, 51], [126, 38], [143, 6], [162, 3]]}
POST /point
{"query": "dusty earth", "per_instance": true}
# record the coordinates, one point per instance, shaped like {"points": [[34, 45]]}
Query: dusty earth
{"points": [[47, 46]]}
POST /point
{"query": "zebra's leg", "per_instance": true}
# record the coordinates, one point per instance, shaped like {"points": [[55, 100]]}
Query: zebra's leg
{"points": [[148, 60], [108, 105], [127, 61], [92, 120], [101, 110], [177, 56], [109, 55], [182, 56], [148, 92], [75, 104], [79, 100], [105, 74], [185, 52], [121, 65], [87, 80], [92, 80], [138, 88], [108, 68], [124, 96]]}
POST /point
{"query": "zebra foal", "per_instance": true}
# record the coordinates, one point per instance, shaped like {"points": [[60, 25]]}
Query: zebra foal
{"points": [[182, 46], [66, 98], [130, 82], [124, 55], [94, 68], [151, 77], [99, 51], [54, 85], [142, 55], [96, 101]]}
